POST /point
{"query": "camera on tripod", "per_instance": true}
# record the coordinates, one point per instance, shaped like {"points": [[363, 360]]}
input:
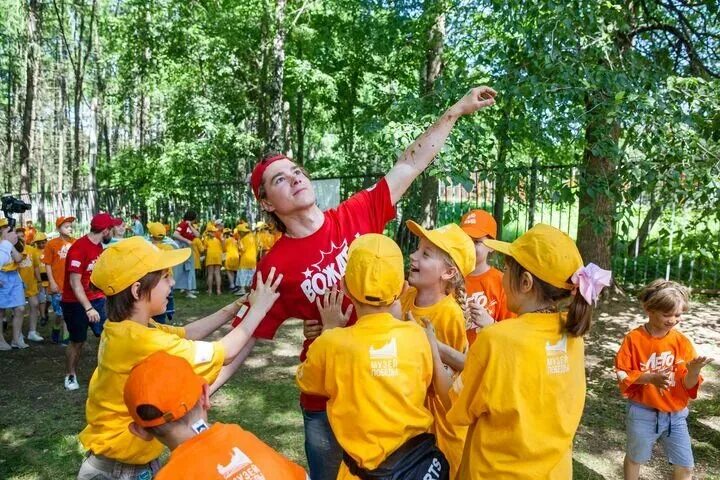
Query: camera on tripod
{"points": [[12, 205]]}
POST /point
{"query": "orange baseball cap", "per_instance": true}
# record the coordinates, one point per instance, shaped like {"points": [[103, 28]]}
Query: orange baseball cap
{"points": [[479, 223], [61, 220], [163, 381]]}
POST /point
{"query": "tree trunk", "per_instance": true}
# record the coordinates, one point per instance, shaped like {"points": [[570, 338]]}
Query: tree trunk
{"points": [[92, 157], [9, 124], [274, 136], [34, 25], [300, 129], [422, 203], [597, 205]]}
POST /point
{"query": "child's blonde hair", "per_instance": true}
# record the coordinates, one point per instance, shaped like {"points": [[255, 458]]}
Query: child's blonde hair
{"points": [[456, 285], [664, 296]]}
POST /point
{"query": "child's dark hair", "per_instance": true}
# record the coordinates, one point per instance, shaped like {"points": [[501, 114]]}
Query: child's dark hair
{"points": [[664, 296], [190, 216], [151, 412], [120, 306], [579, 317]]}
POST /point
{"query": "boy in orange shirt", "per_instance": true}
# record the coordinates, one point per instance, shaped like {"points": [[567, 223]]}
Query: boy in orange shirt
{"points": [[54, 257], [659, 372], [168, 401], [487, 302]]}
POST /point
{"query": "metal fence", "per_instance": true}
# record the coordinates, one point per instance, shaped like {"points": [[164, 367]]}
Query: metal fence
{"points": [[517, 197]]}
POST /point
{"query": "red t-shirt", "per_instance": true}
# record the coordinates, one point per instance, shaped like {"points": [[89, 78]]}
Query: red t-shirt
{"points": [[185, 230], [81, 258], [315, 263]]}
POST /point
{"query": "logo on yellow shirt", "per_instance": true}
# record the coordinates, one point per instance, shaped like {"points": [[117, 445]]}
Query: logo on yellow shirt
{"points": [[383, 360], [557, 358], [240, 467]]}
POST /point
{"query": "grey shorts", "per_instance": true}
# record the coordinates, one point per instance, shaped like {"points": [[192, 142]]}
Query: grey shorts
{"points": [[96, 467], [645, 426]]}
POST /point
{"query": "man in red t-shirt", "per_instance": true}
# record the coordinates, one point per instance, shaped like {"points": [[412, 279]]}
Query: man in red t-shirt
{"points": [[82, 304], [184, 274], [312, 253]]}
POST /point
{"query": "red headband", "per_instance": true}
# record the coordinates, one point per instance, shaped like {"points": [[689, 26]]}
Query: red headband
{"points": [[257, 173]]}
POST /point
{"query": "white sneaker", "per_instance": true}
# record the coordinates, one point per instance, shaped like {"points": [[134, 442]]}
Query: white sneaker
{"points": [[191, 295], [5, 346], [19, 345], [71, 382], [34, 336]]}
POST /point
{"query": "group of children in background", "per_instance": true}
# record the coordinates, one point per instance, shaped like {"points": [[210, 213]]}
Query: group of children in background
{"points": [[459, 372]]}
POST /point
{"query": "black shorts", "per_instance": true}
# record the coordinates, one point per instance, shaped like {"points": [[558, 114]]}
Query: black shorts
{"points": [[77, 321]]}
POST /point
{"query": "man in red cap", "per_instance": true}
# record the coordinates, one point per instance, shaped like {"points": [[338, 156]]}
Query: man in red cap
{"points": [[170, 402], [82, 304], [313, 251]]}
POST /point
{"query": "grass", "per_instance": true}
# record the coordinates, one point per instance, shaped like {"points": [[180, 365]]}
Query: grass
{"points": [[40, 421]]}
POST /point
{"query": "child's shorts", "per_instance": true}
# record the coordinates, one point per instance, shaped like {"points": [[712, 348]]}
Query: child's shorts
{"points": [[55, 303], [244, 277], [12, 291], [645, 426]]}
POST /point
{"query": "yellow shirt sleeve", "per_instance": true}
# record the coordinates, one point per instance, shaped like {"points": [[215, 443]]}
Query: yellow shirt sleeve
{"points": [[179, 331], [467, 391], [206, 358], [311, 374]]}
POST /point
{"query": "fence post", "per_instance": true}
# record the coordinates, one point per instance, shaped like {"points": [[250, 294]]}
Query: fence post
{"points": [[533, 193], [499, 201]]}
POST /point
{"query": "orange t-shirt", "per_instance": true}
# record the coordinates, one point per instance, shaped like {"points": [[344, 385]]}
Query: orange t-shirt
{"points": [[487, 290], [54, 255], [227, 452], [640, 352]]}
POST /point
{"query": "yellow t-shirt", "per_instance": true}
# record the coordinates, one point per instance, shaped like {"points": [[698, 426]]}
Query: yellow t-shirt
{"points": [[30, 261], [197, 249], [248, 259], [447, 318], [376, 374], [122, 346], [213, 251], [232, 254], [522, 394]]}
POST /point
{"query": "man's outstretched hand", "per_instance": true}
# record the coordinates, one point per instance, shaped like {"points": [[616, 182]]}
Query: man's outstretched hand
{"points": [[474, 100]]}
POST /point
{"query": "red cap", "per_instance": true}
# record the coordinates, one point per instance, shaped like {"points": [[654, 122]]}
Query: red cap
{"points": [[61, 220], [166, 382], [101, 221], [257, 173]]}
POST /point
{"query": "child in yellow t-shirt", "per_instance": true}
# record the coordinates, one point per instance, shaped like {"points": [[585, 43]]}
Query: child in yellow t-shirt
{"points": [[133, 274], [39, 242], [157, 232], [374, 373], [248, 258], [522, 391], [29, 270], [445, 256], [198, 249], [232, 257], [213, 259], [487, 302]]}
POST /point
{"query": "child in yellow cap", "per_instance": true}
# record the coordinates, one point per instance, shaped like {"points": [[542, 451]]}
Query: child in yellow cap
{"points": [[248, 257], [157, 232], [523, 387], [444, 257], [133, 274], [213, 258], [232, 258], [375, 373], [29, 270], [39, 242]]}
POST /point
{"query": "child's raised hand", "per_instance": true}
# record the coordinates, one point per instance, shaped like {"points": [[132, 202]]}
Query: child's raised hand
{"points": [[265, 293], [660, 380], [479, 316], [428, 326], [312, 329], [697, 363], [330, 309]]}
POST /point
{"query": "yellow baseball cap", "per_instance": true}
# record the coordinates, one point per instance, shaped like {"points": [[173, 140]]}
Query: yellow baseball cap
{"points": [[374, 273], [156, 229], [39, 237], [242, 228], [452, 240], [210, 228], [3, 222], [124, 263], [544, 251]]}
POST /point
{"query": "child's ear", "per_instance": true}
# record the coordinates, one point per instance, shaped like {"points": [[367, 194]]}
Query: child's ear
{"points": [[135, 290], [526, 282], [449, 274], [140, 432]]}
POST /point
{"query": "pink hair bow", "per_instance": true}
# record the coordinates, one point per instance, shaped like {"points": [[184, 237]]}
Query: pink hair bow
{"points": [[590, 280]]}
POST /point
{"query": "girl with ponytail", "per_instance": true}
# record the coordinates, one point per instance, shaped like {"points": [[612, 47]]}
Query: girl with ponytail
{"points": [[522, 391]]}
